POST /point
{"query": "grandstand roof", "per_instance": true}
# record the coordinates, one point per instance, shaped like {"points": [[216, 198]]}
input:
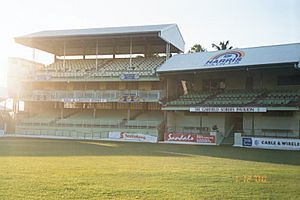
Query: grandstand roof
{"points": [[247, 57], [112, 40]]}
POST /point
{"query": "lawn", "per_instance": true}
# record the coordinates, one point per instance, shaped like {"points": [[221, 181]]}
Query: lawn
{"points": [[65, 169]]}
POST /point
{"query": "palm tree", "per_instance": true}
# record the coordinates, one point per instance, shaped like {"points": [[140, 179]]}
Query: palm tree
{"points": [[222, 46], [197, 48]]}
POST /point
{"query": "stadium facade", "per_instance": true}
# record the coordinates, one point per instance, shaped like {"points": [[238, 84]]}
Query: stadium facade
{"points": [[128, 84]]}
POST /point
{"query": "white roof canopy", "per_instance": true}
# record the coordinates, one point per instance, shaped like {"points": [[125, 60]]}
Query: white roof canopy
{"points": [[267, 55], [113, 40]]}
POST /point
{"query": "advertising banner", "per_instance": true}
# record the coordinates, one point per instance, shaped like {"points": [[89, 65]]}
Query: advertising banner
{"points": [[129, 76], [227, 109], [84, 100], [129, 98], [135, 137], [189, 138], [271, 143]]}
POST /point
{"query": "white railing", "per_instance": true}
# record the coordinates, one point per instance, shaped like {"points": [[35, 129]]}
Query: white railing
{"points": [[91, 95]]}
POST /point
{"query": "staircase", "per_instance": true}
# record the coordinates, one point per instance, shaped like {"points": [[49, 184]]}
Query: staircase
{"points": [[229, 136], [229, 140]]}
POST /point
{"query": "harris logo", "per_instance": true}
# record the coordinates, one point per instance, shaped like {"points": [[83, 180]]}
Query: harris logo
{"points": [[227, 58]]}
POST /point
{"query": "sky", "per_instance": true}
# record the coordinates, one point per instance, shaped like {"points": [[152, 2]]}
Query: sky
{"points": [[245, 23]]}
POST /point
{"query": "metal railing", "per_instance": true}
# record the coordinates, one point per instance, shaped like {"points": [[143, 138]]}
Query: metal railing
{"points": [[188, 130], [91, 95], [92, 123], [277, 133]]}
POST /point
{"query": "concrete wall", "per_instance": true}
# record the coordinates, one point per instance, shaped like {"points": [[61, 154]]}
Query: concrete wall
{"points": [[180, 119], [271, 122], [266, 78]]}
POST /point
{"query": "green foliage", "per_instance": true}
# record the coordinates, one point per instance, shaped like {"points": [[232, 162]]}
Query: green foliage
{"points": [[62, 169], [222, 46], [197, 48]]}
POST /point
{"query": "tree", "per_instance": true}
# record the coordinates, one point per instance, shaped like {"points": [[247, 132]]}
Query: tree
{"points": [[197, 48], [222, 46]]}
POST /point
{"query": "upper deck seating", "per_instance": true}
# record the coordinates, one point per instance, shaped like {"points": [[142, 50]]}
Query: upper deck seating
{"points": [[234, 97], [191, 99], [105, 67], [280, 97]]}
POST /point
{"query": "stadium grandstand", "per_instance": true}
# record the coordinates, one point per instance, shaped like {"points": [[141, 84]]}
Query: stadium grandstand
{"points": [[133, 83], [102, 83], [253, 92]]}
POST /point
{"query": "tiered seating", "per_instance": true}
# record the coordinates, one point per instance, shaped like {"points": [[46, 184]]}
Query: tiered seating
{"points": [[42, 118], [280, 97], [76, 65], [105, 67], [147, 119], [234, 97], [140, 66], [105, 118], [240, 98], [191, 99]]}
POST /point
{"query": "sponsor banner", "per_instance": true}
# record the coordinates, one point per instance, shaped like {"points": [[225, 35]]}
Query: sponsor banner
{"points": [[189, 138], [1, 132], [129, 98], [129, 76], [232, 57], [75, 100], [42, 77], [228, 109], [135, 137], [206, 139], [271, 143]]}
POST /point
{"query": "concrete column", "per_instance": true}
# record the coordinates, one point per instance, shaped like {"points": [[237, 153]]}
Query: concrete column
{"points": [[128, 114]]}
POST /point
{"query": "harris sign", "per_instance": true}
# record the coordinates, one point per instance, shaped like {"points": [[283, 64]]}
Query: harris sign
{"points": [[227, 58]]}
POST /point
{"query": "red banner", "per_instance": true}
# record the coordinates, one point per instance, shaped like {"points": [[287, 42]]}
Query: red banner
{"points": [[206, 139], [184, 137]]}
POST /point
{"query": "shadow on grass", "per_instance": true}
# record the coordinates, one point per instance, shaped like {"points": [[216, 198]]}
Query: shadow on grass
{"points": [[61, 148]]}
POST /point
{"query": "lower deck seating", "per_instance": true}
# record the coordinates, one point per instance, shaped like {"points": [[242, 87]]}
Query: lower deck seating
{"points": [[86, 117], [44, 117], [102, 118], [147, 119]]}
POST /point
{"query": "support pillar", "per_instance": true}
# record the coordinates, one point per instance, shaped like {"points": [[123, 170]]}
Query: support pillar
{"points": [[62, 111], [252, 125], [95, 111], [201, 121], [168, 51], [128, 114]]}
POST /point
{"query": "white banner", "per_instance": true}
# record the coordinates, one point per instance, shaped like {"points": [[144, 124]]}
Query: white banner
{"points": [[1, 132], [135, 137], [271, 143], [227, 109]]}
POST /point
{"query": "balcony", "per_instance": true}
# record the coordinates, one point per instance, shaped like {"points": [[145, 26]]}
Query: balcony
{"points": [[96, 96]]}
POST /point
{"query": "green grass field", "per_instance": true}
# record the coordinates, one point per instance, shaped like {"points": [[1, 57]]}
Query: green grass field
{"points": [[62, 169]]}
